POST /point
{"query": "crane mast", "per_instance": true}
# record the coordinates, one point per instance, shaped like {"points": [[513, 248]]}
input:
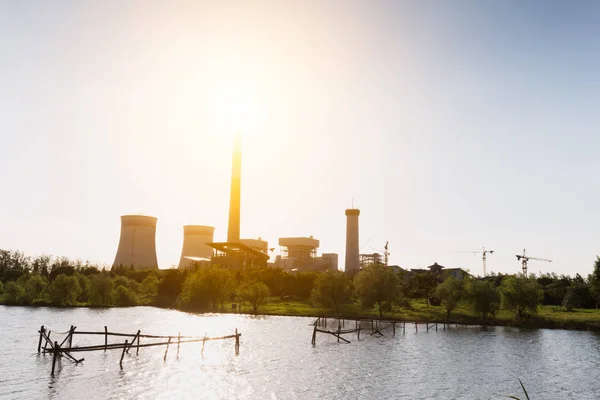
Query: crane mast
{"points": [[524, 259]]}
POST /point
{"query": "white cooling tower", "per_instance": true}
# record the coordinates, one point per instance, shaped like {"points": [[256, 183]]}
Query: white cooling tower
{"points": [[137, 245], [195, 238]]}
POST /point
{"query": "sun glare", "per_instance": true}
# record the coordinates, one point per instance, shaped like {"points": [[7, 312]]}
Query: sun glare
{"points": [[239, 112]]}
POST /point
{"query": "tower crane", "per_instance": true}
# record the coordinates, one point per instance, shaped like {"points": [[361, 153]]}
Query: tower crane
{"points": [[523, 258], [385, 252], [483, 253]]}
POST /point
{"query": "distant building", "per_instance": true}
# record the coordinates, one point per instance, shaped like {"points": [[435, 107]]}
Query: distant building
{"points": [[438, 269], [300, 254]]}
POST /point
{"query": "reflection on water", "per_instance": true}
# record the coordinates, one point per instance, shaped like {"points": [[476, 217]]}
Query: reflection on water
{"points": [[276, 360]]}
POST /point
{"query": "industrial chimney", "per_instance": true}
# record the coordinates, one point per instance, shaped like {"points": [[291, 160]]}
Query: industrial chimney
{"points": [[352, 257], [233, 231], [137, 245], [195, 248]]}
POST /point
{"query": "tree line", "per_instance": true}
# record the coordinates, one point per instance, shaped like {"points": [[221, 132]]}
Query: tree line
{"points": [[59, 281]]}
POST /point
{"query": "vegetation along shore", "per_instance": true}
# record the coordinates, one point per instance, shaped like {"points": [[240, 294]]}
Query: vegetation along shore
{"points": [[544, 301]]}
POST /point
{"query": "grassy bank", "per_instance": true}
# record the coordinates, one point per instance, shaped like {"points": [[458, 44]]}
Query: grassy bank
{"points": [[547, 316]]}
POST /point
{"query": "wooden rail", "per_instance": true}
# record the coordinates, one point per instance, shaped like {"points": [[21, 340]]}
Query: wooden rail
{"points": [[60, 350], [376, 327]]}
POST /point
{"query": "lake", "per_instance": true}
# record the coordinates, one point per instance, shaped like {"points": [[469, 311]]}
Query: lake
{"points": [[277, 360]]}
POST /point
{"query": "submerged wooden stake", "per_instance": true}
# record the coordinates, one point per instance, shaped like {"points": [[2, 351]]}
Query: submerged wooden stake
{"points": [[179, 341], [237, 342], [314, 337], [41, 336], [55, 356], [105, 337], [167, 349], [123, 353]]}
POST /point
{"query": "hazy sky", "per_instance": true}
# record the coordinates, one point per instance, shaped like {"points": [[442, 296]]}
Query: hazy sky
{"points": [[453, 125]]}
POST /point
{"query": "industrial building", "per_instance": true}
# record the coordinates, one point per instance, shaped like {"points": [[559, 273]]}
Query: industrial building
{"points": [[137, 243], [195, 248], [300, 254]]}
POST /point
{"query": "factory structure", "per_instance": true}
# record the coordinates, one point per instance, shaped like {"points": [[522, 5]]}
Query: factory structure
{"points": [[137, 244]]}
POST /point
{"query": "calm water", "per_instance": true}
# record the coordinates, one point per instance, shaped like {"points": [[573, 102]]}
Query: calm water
{"points": [[277, 361]]}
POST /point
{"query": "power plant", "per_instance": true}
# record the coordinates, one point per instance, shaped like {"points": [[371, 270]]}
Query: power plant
{"points": [[352, 251], [195, 247], [137, 244]]}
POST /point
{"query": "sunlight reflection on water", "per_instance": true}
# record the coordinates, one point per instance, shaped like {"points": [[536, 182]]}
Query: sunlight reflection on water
{"points": [[276, 360]]}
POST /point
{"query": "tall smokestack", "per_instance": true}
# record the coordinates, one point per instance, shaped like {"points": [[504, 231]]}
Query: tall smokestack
{"points": [[352, 257], [137, 244], [233, 231]]}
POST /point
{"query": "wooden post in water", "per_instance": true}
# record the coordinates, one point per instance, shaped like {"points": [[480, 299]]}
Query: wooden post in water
{"points": [[56, 355], [394, 328], [105, 338], [314, 337], [40, 341], [237, 342], [416, 327], [47, 339], [136, 337], [179, 342], [404, 327], [167, 349], [427, 325], [71, 336], [436, 326], [137, 351], [358, 334], [123, 353], [204, 342]]}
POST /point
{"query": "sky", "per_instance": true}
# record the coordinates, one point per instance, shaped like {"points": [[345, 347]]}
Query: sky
{"points": [[450, 125]]}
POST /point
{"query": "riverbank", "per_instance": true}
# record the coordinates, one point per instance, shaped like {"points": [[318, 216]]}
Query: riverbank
{"points": [[548, 317]]}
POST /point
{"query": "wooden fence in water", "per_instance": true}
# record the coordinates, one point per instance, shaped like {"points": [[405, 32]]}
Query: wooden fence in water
{"points": [[371, 327], [60, 350]]}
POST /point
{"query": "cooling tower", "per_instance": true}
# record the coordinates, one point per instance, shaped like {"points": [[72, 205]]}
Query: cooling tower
{"points": [[195, 238], [137, 245], [352, 257]]}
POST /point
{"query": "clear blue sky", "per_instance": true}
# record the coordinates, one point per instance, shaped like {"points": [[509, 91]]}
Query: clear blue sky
{"points": [[453, 125]]}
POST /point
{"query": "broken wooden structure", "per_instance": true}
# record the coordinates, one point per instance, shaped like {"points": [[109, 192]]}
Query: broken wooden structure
{"points": [[370, 326], [62, 350]]}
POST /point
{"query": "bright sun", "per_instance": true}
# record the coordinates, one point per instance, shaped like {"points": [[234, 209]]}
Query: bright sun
{"points": [[239, 112]]}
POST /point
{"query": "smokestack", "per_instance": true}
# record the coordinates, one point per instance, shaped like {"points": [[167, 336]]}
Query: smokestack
{"points": [[195, 238], [352, 257], [137, 245], [233, 231]]}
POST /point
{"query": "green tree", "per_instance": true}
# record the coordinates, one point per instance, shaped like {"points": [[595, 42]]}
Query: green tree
{"points": [[14, 294], [450, 292], [123, 297], [255, 293], [423, 284], [101, 290], [331, 289], [207, 288], [521, 294], [150, 288], [64, 290], [483, 297], [34, 288], [594, 282], [377, 284]]}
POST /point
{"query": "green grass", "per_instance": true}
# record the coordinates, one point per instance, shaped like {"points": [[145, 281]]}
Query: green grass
{"points": [[418, 310]]}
